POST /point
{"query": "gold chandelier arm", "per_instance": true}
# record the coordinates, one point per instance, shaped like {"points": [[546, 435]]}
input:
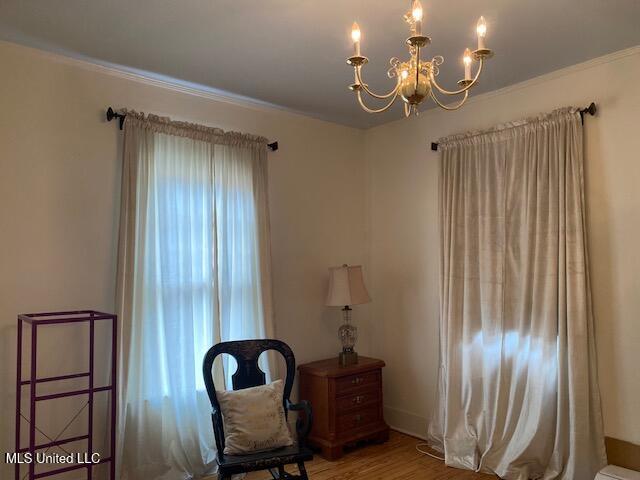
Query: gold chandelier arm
{"points": [[376, 110], [456, 92], [447, 107], [375, 95]]}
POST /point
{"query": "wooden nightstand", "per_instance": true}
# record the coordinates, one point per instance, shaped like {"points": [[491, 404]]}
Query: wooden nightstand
{"points": [[346, 402]]}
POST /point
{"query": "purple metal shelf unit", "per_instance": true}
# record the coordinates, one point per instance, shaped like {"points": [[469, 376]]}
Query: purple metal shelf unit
{"points": [[36, 320]]}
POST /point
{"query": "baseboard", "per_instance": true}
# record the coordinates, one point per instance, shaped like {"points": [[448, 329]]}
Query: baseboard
{"points": [[410, 434], [406, 422], [622, 453]]}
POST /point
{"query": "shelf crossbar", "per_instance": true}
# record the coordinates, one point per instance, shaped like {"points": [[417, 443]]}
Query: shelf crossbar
{"points": [[55, 443], [55, 379], [73, 393], [68, 469]]}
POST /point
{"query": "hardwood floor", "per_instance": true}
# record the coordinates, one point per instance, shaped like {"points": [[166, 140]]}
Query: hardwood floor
{"points": [[396, 459]]}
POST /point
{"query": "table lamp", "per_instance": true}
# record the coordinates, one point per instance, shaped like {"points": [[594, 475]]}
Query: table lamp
{"points": [[346, 288]]}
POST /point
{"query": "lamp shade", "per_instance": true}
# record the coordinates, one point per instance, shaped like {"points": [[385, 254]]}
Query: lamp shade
{"points": [[346, 286]]}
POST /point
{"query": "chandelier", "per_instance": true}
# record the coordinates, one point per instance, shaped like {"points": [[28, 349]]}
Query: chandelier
{"points": [[415, 78]]}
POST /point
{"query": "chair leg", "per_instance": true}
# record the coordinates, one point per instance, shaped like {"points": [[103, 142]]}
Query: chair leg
{"points": [[303, 471], [280, 474]]}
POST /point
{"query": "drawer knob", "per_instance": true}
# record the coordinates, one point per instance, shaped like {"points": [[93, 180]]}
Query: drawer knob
{"points": [[358, 418], [358, 399], [357, 380]]}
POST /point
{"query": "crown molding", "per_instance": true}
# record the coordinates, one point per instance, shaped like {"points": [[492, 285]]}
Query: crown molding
{"points": [[158, 80]]}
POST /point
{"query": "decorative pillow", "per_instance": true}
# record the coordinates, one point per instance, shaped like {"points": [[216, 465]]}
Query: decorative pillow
{"points": [[254, 419]]}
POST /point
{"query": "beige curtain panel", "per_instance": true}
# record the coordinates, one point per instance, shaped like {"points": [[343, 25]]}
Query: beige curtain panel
{"points": [[193, 270], [518, 393]]}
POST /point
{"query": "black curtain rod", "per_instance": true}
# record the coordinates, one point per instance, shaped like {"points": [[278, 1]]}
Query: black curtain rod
{"points": [[591, 110], [112, 114]]}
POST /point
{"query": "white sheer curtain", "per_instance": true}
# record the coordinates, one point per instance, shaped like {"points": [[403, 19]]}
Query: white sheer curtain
{"points": [[518, 388], [193, 270]]}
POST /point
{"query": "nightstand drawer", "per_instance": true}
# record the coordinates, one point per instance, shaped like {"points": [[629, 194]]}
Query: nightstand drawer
{"points": [[358, 400], [361, 418], [346, 385]]}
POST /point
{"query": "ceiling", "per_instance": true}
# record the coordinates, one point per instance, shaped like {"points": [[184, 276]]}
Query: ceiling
{"points": [[292, 53]]}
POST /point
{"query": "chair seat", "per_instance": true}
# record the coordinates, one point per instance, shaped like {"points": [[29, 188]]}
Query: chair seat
{"points": [[230, 464]]}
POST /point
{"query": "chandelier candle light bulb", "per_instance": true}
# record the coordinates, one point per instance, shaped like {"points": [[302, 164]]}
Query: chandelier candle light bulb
{"points": [[481, 29], [467, 64], [416, 13], [355, 36], [415, 79]]}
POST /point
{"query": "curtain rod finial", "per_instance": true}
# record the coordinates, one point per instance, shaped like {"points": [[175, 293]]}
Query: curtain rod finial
{"points": [[111, 114]]}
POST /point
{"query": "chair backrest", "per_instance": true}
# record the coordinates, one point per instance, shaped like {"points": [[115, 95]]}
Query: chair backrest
{"points": [[248, 373]]}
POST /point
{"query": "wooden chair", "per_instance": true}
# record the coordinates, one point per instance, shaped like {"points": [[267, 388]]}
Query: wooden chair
{"points": [[249, 374]]}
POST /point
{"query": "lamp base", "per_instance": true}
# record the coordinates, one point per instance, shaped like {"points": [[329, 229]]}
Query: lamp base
{"points": [[347, 358]]}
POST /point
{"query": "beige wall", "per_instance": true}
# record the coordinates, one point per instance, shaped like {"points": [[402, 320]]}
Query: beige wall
{"points": [[59, 200], [403, 174]]}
